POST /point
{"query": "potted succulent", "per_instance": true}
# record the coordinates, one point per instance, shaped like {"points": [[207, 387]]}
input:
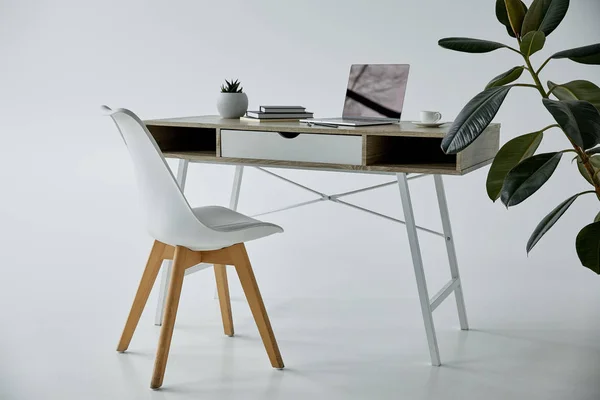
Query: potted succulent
{"points": [[574, 108], [232, 102]]}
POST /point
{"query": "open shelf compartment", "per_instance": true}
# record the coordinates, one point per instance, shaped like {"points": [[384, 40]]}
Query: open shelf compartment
{"points": [[399, 150], [202, 141]]}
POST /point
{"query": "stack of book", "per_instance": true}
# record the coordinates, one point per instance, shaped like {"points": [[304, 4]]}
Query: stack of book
{"points": [[278, 113]]}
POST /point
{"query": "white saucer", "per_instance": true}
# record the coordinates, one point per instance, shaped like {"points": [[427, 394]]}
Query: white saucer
{"points": [[429, 124]]}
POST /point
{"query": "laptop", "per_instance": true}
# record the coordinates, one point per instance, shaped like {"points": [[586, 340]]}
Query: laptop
{"points": [[374, 96]]}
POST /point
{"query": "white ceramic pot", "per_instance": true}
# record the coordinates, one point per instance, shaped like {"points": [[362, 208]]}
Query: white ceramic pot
{"points": [[232, 105]]}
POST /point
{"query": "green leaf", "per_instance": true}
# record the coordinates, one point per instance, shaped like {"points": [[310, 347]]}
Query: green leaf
{"points": [[595, 150], [502, 16], [577, 90], [597, 217], [584, 55], [580, 120], [507, 77], [470, 45], [527, 177], [587, 245], [545, 16], [474, 118], [595, 161], [516, 11], [548, 221], [511, 154], [532, 42], [583, 171]]}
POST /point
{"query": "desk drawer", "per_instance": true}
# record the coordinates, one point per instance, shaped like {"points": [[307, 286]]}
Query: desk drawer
{"points": [[305, 147]]}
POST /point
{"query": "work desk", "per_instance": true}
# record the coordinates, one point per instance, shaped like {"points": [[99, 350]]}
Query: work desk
{"points": [[399, 149], [394, 148]]}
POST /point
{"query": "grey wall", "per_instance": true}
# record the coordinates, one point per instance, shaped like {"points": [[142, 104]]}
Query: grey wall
{"points": [[67, 181]]}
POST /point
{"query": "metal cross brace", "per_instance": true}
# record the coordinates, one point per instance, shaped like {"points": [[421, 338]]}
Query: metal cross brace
{"points": [[336, 199]]}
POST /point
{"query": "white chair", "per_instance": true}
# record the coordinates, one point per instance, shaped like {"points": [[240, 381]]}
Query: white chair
{"points": [[188, 236]]}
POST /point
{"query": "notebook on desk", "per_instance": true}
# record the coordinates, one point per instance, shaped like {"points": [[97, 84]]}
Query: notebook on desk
{"points": [[374, 96]]}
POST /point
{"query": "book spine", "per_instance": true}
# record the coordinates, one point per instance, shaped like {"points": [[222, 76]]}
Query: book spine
{"points": [[259, 115], [268, 109]]}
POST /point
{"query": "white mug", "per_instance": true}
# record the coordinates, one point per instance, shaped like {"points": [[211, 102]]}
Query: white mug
{"points": [[430, 117]]}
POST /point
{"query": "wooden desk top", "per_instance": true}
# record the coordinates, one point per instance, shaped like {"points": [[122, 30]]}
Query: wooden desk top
{"points": [[407, 129], [394, 148]]}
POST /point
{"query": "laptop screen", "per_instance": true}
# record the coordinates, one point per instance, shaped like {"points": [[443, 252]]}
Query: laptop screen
{"points": [[376, 90]]}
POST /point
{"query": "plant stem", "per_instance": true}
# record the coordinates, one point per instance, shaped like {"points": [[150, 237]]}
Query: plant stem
{"points": [[536, 79], [585, 158], [552, 90], [543, 65], [525, 85], [515, 50], [550, 126]]}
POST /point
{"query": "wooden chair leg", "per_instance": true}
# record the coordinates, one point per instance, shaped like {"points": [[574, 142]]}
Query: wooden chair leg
{"points": [[224, 300], [166, 332], [148, 278], [248, 281]]}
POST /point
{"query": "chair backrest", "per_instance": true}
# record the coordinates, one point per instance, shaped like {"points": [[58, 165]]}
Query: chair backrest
{"points": [[169, 217]]}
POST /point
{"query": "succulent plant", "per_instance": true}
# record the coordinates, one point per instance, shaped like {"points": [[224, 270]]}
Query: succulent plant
{"points": [[231, 87]]}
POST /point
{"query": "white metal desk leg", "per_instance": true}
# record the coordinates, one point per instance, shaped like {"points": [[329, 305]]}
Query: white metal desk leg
{"points": [[182, 169], [237, 185], [458, 293], [415, 250]]}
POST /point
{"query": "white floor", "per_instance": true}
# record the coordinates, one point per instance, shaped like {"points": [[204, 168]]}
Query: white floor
{"points": [[519, 348]]}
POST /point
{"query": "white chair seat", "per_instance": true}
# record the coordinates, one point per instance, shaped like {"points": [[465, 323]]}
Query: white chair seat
{"points": [[226, 220], [236, 227]]}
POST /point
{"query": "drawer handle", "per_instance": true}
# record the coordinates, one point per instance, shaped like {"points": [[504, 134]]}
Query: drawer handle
{"points": [[288, 135]]}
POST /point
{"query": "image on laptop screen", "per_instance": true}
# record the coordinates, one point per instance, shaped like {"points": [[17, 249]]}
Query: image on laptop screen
{"points": [[376, 91]]}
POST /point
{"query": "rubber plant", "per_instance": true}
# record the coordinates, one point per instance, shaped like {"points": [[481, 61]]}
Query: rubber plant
{"points": [[517, 172]]}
